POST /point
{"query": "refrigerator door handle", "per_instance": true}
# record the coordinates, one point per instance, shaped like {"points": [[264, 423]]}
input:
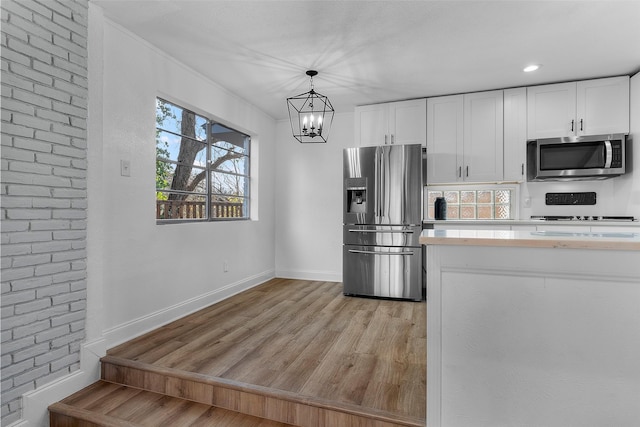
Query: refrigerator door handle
{"points": [[382, 231], [383, 182], [376, 183], [357, 251]]}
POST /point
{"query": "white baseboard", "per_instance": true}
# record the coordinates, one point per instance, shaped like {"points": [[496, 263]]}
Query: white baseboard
{"points": [[136, 327], [325, 276], [35, 403]]}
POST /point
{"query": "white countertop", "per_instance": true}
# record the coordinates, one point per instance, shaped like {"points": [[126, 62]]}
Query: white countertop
{"points": [[533, 239], [453, 222]]}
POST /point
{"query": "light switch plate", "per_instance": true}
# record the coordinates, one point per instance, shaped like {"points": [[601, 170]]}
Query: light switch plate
{"points": [[125, 168]]}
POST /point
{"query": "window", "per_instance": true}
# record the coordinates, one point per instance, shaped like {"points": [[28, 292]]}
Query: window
{"points": [[474, 203], [202, 167]]}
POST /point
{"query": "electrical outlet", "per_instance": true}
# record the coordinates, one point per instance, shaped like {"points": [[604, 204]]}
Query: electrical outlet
{"points": [[225, 266]]}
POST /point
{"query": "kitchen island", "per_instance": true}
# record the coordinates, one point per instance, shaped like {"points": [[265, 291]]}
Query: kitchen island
{"points": [[532, 328]]}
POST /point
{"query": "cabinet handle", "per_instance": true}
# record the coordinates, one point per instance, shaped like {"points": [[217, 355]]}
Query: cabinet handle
{"points": [[522, 169], [392, 139], [460, 172], [581, 129], [385, 139], [467, 171], [572, 125]]}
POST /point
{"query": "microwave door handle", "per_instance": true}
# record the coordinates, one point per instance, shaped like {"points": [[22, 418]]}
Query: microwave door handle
{"points": [[608, 154]]}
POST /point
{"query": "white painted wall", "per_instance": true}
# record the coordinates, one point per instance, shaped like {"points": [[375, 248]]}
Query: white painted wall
{"points": [[309, 202], [148, 274]]}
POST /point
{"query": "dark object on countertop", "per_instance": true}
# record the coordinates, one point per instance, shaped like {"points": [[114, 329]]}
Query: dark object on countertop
{"points": [[440, 208]]}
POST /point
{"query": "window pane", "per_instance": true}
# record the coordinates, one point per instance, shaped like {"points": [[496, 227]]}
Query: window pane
{"points": [[503, 212], [485, 211], [189, 174], [468, 212], [485, 196], [227, 184], [467, 196], [180, 206], [202, 168], [174, 119], [233, 164], [433, 195], [503, 196], [228, 207], [473, 204], [229, 139], [170, 176], [177, 148], [452, 196], [164, 174]]}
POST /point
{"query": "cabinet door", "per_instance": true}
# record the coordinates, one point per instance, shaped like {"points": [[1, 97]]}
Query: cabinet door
{"points": [[408, 122], [551, 110], [370, 125], [444, 139], [483, 136], [515, 134], [603, 106]]}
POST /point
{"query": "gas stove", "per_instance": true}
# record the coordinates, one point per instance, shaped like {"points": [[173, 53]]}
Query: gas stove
{"points": [[582, 218]]}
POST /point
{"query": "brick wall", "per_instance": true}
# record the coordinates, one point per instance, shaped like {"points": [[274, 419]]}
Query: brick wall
{"points": [[44, 193]]}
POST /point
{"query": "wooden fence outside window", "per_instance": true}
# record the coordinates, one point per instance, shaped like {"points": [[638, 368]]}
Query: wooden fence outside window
{"points": [[185, 209]]}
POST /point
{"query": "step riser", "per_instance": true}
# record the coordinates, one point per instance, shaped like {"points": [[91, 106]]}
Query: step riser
{"points": [[200, 389]]}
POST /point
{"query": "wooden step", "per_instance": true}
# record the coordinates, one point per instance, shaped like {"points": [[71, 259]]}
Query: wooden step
{"points": [[107, 404], [249, 399]]}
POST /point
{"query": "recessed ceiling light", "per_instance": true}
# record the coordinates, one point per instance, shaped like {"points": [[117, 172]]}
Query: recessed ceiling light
{"points": [[530, 68]]}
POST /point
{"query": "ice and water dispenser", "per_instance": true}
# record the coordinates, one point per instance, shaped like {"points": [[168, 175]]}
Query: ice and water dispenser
{"points": [[356, 195]]}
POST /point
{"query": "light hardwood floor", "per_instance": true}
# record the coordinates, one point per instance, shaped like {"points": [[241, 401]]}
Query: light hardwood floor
{"points": [[302, 337]]}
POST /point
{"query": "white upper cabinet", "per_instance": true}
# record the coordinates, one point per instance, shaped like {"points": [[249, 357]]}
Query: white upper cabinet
{"points": [[551, 110], [402, 122], [515, 134], [444, 138], [588, 107], [465, 138], [482, 159], [603, 106]]}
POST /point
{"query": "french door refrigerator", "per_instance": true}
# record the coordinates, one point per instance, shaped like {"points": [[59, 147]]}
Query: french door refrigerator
{"points": [[382, 221]]}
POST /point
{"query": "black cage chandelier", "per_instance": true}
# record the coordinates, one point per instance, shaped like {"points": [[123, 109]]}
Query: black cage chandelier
{"points": [[310, 114]]}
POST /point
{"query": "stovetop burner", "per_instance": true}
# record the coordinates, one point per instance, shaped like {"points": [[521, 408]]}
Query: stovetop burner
{"points": [[582, 218]]}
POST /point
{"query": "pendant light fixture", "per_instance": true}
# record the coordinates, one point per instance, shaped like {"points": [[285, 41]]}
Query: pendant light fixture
{"points": [[310, 114]]}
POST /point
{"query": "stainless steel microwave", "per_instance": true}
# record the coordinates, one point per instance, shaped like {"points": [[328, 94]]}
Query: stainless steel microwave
{"points": [[576, 158]]}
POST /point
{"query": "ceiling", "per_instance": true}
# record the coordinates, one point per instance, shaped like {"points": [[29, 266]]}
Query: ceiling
{"points": [[376, 51]]}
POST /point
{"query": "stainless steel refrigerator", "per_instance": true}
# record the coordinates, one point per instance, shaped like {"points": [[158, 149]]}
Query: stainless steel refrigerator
{"points": [[382, 221]]}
